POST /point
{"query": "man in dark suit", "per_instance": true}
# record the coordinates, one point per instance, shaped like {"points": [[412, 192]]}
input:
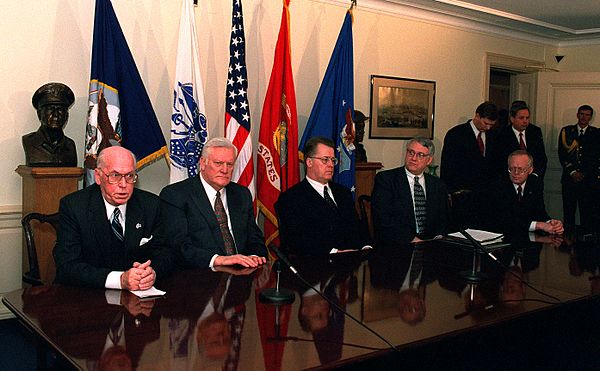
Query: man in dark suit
{"points": [[407, 204], [467, 165], [209, 220], [521, 134], [518, 203], [573, 143], [468, 146], [317, 216], [106, 230]]}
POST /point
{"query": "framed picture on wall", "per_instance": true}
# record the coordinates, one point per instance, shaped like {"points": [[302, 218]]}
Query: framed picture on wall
{"points": [[401, 108]]}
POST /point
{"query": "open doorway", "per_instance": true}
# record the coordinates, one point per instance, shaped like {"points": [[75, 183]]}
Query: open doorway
{"points": [[500, 93]]}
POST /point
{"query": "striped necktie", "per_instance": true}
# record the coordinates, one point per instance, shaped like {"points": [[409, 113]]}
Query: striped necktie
{"points": [[115, 224], [420, 206]]}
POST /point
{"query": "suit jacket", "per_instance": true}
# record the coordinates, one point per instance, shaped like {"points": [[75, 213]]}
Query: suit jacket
{"points": [[190, 227], [309, 226], [463, 166], [509, 215], [84, 252], [573, 151], [393, 210], [507, 143]]}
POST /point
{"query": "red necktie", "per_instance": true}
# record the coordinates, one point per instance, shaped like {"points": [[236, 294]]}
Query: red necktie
{"points": [[480, 143], [522, 142]]}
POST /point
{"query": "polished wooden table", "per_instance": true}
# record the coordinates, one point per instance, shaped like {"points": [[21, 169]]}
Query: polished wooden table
{"points": [[425, 300]]}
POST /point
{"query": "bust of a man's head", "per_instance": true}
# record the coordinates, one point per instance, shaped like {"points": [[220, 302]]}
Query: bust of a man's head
{"points": [[52, 102], [48, 146]]}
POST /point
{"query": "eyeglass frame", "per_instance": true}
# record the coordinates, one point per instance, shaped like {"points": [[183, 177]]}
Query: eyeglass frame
{"points": [[121, 176], [325, 160], [420, 155], [519, 170]]}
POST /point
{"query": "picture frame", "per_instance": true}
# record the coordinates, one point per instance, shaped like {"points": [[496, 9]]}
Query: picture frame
{"points": [[401, 108]]}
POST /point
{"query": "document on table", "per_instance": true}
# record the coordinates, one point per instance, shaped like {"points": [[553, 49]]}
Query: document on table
{"points": [[484, 237], [151, 292]]}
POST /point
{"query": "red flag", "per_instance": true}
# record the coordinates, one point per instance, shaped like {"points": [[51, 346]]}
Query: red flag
{"points": [[278, 167]]}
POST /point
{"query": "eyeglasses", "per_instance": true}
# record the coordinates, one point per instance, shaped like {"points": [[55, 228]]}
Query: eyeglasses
{"points": [[420, 155], [518, 170], [325, 160], [114, 177]]}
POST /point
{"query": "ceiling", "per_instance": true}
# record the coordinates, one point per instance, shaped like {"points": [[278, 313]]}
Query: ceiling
{"points": [[560, 22]]}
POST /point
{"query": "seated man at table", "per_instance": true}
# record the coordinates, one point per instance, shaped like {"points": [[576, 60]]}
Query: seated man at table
{"points": [[409, 205], [517, 203], [105, 233], [318, 216], [208, 220]]}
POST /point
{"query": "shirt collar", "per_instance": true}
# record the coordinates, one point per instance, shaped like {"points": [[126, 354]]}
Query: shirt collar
{"points": [[211, 193], [110, 209], [319, 187]]}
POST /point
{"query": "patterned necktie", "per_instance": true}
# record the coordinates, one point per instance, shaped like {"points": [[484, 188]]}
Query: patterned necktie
{"points": [[416, 265], [581, 132], [115, 224], [519, 193], [481, 144], [522, 142], [328, 198], [420, 206], [224, 225]]}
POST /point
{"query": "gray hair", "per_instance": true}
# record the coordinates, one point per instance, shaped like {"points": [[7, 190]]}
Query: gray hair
{"points": [[521, 152], [425, 142], [218, 142], [101, 160]]}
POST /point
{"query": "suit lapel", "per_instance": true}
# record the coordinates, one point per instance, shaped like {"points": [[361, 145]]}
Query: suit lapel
{"points": [[134, 223], [234, 201], [406, 194], [99, 225], [204, 206]]}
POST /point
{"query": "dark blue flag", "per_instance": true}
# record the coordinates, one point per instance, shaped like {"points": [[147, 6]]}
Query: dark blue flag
{"points": [[331, 115], [119, 108]]}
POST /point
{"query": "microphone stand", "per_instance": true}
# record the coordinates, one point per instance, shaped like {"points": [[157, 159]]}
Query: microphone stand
{"points": [[276, 295]]}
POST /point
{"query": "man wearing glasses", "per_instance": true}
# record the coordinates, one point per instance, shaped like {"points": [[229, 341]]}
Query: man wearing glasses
{"points": [[408, 204], [518, 203], [208, 220], [106, 230], [317, 216]]}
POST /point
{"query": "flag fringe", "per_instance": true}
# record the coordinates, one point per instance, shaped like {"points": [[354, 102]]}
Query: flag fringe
{"points": [[151, 158]]}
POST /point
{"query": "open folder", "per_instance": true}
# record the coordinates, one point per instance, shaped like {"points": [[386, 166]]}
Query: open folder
{"points": [[484, 237]]}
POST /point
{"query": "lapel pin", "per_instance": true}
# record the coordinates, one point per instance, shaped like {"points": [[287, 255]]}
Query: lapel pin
{"points": [[138, 226]]}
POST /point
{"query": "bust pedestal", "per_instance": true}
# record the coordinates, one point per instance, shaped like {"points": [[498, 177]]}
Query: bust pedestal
{"points": [[42, 189]]}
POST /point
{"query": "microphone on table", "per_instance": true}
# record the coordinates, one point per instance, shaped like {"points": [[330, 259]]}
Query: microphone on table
{"points": [[277, 295], [284, 259]]}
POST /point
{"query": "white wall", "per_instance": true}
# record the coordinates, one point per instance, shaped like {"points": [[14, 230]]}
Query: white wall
{"points": [[50, 40]]}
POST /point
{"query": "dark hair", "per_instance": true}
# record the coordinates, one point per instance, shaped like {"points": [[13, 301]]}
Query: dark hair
{"points": [[516, 106], [310, 147], [586, 107], [487, 110]]}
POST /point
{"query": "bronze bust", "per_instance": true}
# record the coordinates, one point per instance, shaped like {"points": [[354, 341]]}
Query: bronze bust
{"points": [[48, 146], [359, 127]]}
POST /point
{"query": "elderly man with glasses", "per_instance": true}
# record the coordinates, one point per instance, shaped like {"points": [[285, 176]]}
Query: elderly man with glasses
{"points": [[106, 230], [517, 203], [317, 216], [408, 204]]}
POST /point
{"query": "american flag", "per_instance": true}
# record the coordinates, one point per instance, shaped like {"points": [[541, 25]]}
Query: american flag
{"points": [[237, 110]]}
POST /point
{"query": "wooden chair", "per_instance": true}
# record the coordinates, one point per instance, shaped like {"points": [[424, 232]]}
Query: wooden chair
{"points": [[49, 223]]}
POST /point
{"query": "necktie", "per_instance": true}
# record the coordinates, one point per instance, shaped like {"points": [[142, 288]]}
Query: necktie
{"points": [[420, 206], [328, 198], [481, 144], [519, 193], [115, 224], [522, 142], [416, 265], [224, 225], [581, 132]]}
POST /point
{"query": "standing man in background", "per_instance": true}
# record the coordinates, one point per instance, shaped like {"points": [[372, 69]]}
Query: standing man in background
{"points": [[573, 151]]}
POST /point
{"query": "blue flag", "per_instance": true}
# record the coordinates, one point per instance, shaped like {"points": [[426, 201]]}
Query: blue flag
{"points": [[120, 111], [332, 113]]}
